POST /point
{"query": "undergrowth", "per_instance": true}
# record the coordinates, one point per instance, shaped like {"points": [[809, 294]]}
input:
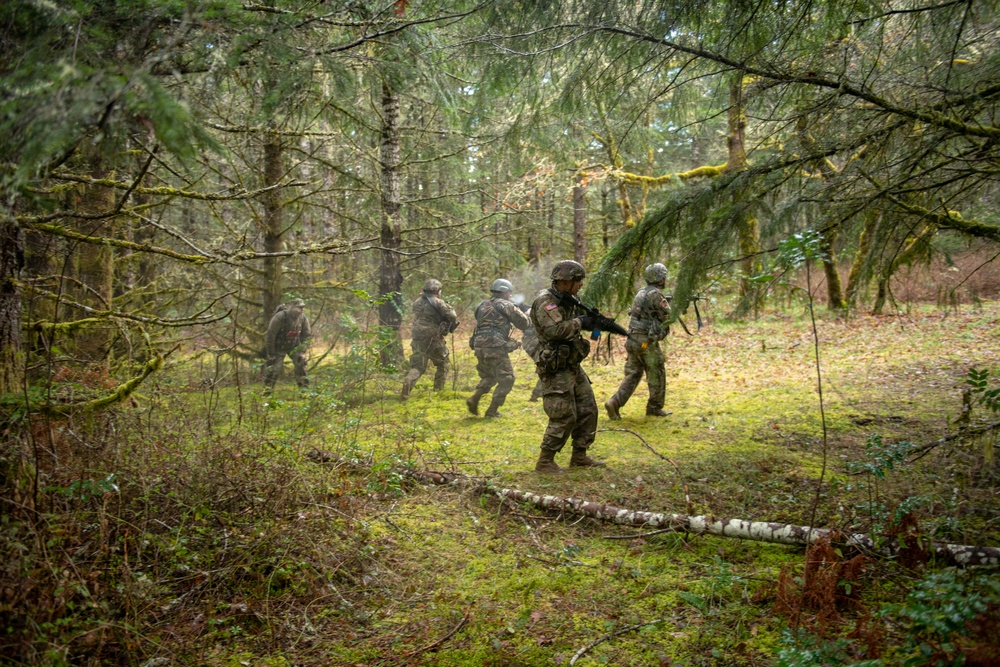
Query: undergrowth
{"points": [[191, 526]]}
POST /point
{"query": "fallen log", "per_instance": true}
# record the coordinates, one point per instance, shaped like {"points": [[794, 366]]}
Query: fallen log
{"points": [[757, 531]]}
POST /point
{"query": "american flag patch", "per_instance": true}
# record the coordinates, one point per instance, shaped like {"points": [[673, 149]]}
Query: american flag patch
{"points": [[550, 306]]}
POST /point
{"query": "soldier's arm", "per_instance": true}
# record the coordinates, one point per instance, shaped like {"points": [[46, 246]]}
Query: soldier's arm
{"points": [[447, 311], [273, 327], [515, 315], [660, 307], [306, 331], [550, 324]]}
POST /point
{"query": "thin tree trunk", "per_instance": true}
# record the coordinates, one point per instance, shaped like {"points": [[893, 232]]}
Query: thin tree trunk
{"points": [[11, 263], [748, 229], [273, 225], [834, 288], [580, 220], [390, 313], [94, 286], [855, 276]]}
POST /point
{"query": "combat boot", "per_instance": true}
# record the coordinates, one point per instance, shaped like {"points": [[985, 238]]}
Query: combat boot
{"points": [[657, 413], [581, 460], [611, 405], [472, 402], [407, 388], [547, 462], [494, 409]]}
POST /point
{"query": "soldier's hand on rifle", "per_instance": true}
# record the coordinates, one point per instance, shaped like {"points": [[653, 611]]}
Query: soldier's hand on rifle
{"points": [[587, 322]]}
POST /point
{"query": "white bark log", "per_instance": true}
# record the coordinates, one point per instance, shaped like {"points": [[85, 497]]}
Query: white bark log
{"points": [[758, 531]]}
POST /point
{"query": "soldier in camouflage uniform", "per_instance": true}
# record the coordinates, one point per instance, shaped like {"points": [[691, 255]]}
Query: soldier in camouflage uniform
{"points": [[567, 396], [649, 325], [433, 319], [529, 343], [495, 317], [287, 334]]}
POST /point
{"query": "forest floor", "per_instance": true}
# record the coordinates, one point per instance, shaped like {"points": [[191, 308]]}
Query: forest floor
{"points": [[222, 543]]}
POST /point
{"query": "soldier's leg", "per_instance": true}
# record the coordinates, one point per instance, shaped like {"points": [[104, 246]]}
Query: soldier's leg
{"points": [[438, 354], [418, 364], [634, 367], [586, 423], [503, 371], [486, 382], [560, 408], [272, 370], [656, 378], [299, 362]]}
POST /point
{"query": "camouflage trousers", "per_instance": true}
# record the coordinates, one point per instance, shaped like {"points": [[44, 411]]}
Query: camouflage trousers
{"points": [[494, 368], [648, 360], [425, 350], [570, 405], [276, 362]]}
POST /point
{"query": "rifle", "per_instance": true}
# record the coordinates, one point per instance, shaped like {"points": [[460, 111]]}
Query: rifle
{"points": [[601, 322], [451, 326], [695, 299]]}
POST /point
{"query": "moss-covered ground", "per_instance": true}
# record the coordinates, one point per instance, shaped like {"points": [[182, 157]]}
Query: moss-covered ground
{"points": [[290, 562]]}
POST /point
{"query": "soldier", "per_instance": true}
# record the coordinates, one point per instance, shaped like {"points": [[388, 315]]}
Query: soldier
{"points": [[287, 334], [648, 326], [567, 396], [495, 317], [433, 319], [529, 343]]}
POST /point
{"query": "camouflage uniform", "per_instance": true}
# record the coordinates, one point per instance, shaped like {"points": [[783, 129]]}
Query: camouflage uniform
{"points": [[648, 325], [495, 317], [433, 319], [567, 396], [287, 334], [529, 343]]}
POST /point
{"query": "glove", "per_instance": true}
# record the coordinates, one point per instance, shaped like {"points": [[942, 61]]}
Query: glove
{"points": [[512, 345], [587, 322]]}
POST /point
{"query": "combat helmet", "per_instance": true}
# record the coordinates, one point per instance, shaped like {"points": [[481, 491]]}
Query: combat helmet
{"points": [[655, 274], [502, 286], [432, 286], [568, 269]]}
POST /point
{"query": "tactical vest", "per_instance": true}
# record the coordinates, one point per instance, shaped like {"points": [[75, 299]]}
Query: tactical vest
{"points": [[643, 321], [492, 326]]}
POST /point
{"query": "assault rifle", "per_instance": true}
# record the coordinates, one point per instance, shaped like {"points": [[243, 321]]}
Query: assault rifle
{"points": [[695, 298], [601, 322]]}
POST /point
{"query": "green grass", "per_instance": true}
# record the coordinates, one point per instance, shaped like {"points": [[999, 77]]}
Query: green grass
{"points": [[251, 554]]}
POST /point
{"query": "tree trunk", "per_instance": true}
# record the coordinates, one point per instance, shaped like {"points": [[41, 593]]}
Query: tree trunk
{"points": [[94, 285], [855, 277], [11, 263], [748, 229], [834, 289], [390, 313], [580, 220], [273, 221]]}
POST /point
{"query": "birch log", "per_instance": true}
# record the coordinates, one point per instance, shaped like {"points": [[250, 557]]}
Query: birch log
{"points": [[758, 531]]}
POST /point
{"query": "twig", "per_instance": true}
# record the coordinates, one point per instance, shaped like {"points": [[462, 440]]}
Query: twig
{"points": [[687, 495], [631, 628], [641, 535], [448, 636], [926, 449]]}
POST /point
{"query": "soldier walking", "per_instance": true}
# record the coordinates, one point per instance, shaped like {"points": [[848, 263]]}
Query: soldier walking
{"points": [[567, 396], [495, 318], [433, 319], [287, 334], [649, 324]]}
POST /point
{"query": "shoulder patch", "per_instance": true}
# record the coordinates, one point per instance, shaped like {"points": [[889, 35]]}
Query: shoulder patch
{"points": [[551, 306]]}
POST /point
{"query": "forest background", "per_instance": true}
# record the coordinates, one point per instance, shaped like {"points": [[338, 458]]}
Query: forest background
{"points": [[174, 170]]}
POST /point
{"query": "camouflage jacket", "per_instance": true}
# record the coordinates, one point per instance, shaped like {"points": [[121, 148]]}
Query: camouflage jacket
{"points": [[432, 317], [650, 313], [286, 331], [495, 317], [560, 344]]}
